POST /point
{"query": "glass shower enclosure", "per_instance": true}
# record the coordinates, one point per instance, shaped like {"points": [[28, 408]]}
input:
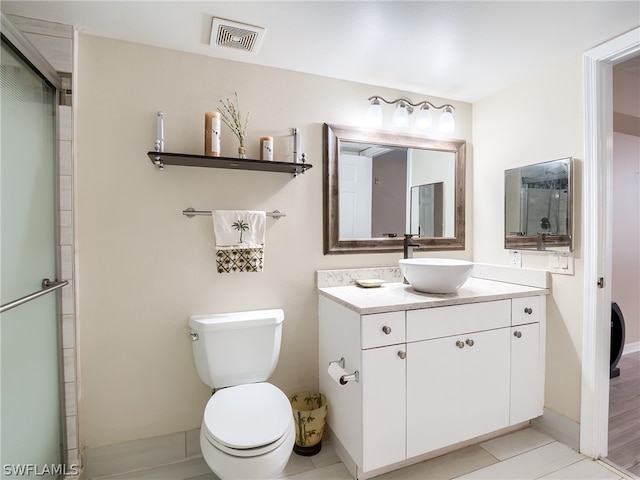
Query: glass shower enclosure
{"points": [[31, 403]]}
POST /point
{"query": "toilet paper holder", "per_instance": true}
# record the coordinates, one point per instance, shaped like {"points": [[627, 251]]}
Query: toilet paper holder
{"points": [[347, 377]]}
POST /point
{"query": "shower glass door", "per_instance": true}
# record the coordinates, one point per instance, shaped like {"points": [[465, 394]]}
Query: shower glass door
{"points": [[30, 399]]}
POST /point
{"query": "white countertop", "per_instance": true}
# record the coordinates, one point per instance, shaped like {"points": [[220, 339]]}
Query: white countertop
{"points": [[399, 296]]}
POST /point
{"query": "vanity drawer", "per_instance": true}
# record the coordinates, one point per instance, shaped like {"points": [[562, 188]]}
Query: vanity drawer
{"points": [[525, 310], [457, 319], [379, 329]]}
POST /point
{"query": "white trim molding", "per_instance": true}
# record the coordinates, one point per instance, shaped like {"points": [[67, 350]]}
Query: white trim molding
{"points": [[631, 348], [597, 234], [561, 428]]}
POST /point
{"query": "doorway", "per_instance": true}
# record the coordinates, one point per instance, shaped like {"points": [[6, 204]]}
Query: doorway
{"points": [[624, 387], [598, 129]]}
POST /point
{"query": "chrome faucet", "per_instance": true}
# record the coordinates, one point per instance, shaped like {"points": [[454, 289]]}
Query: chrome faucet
{"points": [[409, 245]]}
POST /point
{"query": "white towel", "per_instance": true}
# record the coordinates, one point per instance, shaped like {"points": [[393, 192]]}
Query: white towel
{"points": [[239, 240]]}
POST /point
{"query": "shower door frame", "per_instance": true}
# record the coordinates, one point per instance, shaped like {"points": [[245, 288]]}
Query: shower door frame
{"points": [[65, 270]]}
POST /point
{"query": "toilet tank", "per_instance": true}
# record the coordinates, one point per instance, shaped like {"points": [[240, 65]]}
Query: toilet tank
{"points": [[236, 348]]}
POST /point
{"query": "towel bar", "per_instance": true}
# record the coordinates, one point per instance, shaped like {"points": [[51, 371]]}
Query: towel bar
{"points": [[191, 212]]}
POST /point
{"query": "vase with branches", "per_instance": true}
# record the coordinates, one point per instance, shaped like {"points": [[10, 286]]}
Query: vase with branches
{"points": [[232, 118]]}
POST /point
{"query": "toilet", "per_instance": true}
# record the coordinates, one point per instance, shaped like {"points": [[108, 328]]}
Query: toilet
{"points": [[248, 427]]}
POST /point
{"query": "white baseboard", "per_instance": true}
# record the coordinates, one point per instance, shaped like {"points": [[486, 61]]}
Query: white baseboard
{"points": [[561, 428], [141, 453], [631, 348]]}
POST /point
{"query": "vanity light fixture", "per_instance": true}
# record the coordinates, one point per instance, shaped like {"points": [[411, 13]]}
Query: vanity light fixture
{"points": [[404, 108], [446, 123], [424, 119], [400, 117], [374, 114]]}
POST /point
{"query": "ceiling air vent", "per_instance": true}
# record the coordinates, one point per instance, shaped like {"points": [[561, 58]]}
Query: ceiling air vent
{"points": [[239, 36]]}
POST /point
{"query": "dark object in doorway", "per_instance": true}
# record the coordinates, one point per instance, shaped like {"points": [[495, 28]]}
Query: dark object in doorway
{"points": [[617, 339]]}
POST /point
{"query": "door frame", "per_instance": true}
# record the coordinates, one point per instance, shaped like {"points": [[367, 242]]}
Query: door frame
{"points": [[30, 53], [597, 234]]}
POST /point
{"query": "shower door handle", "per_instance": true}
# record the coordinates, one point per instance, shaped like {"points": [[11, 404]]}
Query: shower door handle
{"points": [[47, 287]]}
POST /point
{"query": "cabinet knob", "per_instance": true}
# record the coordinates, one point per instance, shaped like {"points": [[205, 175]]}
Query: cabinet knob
{"points": [[528, 310], [470, 342], [517, 334], [459, 344], [386, 330], [402, 354]]}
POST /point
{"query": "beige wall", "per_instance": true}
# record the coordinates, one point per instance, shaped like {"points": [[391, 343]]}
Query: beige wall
{"points": [[537, 120], [143, 267]]}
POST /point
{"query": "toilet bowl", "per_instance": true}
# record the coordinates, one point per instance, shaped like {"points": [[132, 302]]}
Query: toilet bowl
{"points": [[247, 432], [248, 429]]}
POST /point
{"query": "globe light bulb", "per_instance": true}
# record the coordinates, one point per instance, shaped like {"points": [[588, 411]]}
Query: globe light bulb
{"points": [[446, 124], [400, 117], [424, 119], [373, 117]]}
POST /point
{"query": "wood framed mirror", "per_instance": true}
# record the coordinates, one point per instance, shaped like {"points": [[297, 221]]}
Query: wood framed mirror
{"points": [[380, 185]]}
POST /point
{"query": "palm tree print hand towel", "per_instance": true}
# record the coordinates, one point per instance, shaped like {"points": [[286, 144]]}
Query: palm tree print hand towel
{"points": [[239, 240]]}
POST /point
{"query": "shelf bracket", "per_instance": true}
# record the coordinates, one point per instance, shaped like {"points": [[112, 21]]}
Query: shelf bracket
{"points": [[298, 157], [157, 161], [159, 140]]}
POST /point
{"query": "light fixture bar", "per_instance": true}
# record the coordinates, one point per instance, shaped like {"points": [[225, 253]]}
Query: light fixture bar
{"points": [[404, 108], [409, 102]]}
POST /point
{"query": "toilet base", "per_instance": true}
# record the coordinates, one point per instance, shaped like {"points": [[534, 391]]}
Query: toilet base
{"points": [[308, 451]]}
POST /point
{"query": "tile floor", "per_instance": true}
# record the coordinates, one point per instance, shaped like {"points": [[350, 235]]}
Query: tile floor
{"points": [[525, 454]]}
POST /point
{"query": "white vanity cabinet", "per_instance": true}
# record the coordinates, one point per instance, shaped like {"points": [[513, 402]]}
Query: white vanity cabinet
{"points": [[368, 416], [457, 373], [430, 377], [527, 358]]}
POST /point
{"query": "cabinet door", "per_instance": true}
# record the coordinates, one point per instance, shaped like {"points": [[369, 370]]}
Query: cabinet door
{"points": [[527, 390], [457, 389], [383, 381]]}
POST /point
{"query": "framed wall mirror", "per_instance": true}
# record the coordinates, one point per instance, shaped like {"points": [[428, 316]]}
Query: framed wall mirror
{"points": [[538, 201], [380, 185]]}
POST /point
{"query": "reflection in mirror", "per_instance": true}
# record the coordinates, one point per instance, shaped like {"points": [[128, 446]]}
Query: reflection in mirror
{"points": [[380, 185], [427, 213], [376, 191], [538, 206]]}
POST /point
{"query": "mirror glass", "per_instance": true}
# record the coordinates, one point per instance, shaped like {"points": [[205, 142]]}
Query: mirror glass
{"points": [[427, 210], [381, 185], [538, 206]]}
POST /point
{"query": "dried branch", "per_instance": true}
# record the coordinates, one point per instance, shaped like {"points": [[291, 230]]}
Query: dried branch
{"points": [[231, 116]]}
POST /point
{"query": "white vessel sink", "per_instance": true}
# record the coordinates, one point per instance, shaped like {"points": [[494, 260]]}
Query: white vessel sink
{"points": [[435, 275]]}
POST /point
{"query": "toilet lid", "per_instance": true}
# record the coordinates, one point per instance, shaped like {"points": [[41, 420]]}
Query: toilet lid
{"points": [[247, 416]]}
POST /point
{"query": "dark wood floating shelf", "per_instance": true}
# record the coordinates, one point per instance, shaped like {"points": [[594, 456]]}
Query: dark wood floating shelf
{"points": [[160, 159]]}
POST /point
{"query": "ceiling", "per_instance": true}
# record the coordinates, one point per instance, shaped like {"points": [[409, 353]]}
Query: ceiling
{"points": [[460, 50]]}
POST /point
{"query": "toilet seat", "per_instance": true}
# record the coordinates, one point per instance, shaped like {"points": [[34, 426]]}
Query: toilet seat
{"points": [[247, 420]]}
